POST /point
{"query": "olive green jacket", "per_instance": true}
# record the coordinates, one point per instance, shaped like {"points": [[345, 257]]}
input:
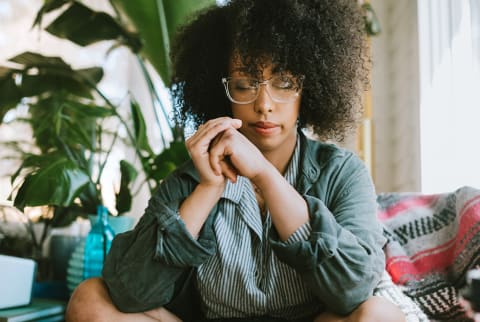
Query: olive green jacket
{"points": [[342, 261]]}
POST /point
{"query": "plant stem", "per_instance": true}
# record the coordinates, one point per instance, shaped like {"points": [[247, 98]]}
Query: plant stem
{"points": [[139, 188], [117, 13], [46, 228], [31, 231], [124, 123], [104, 163], [164, 30], [154, 98]]}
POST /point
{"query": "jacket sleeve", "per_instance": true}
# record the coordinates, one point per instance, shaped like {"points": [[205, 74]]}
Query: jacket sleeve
{"points": [[342, 259], [145, 267]]}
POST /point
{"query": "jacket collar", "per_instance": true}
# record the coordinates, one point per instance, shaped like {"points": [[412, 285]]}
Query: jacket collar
{"points": [[309, 166]]}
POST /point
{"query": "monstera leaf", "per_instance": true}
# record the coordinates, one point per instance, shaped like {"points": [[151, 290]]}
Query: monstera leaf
{"points": [[56, 184], [40, 74], [84, 26]]}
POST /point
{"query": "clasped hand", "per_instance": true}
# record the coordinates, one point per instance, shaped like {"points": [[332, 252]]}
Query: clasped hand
{"points": [[219, 152]]}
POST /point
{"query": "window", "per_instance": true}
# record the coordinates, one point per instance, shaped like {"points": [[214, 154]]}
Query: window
{"points": [[449, 41]]}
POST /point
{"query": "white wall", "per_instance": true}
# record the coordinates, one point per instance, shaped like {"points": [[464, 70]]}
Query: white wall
{"points": [[395, 90]]}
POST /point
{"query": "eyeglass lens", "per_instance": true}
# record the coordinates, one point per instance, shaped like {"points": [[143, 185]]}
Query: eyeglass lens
{"points": [[245, 90]]}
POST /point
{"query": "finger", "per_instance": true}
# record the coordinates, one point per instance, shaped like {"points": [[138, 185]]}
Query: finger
{"points": [[215, 140], [215, 159], [206, 133], [228, 170], [215, 155], [219, 149], [236, 123], [212, 128]]}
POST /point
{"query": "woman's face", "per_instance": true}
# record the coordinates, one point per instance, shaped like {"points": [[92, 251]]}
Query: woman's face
{"points": [[270, 120]]}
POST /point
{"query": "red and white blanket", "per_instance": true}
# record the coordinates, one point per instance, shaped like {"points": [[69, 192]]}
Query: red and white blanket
{"points": [[433, 241]]}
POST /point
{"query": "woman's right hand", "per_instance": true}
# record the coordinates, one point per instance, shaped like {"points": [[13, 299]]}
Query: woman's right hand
{"points": [[198, 146]]}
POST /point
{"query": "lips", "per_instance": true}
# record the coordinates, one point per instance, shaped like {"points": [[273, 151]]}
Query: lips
{"points": [[265, 125], [266, 128]]}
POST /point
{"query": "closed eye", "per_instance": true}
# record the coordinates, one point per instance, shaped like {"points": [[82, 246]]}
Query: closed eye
{"points": [[283, 83], [244, 84]]}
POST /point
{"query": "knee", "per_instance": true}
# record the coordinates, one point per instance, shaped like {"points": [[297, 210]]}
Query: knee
{"points": [[377, 309], [87, 301]]}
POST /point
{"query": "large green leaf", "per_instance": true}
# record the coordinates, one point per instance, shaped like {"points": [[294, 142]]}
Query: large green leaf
{"points": [[179, 11], [83, 110], [84, 26], [49, 5], [93, 74], [157, 22], [30, 59], [52, 74], [57, 66], [32, 162], [168, 160], [124, 195], [56, 184], [60, 121], [141, 140], [10, 95], [52, 81]]}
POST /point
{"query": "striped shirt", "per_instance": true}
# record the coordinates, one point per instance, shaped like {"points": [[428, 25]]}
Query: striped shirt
{"points": [[245, 278]]}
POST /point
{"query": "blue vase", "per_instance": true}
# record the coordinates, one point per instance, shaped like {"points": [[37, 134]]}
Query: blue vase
{"points": [[97, 244], [75, 269]]}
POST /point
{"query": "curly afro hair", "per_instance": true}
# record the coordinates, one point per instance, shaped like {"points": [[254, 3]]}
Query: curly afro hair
{"points": [[324, 40]]}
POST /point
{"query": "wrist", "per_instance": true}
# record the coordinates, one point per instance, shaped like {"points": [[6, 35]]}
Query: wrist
{"points": [[266, 177], [211, 189]]}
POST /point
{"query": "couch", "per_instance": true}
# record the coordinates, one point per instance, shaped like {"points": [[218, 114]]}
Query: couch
{"points": [[433, 240]]}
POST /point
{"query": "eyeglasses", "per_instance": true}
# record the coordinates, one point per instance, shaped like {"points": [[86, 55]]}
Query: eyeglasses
{"points": [[280, 88]]}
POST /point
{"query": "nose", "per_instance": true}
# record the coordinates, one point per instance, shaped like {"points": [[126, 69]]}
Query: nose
{"points": [[263, 103]]}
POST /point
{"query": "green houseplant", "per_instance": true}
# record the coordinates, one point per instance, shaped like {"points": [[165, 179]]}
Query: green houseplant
{"points": [[71, 119]]}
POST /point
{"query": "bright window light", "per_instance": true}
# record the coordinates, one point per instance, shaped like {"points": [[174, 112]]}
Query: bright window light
{"points": [[449, 94]]}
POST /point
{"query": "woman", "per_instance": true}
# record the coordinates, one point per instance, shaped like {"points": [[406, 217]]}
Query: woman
{"points": [[263, 223]]}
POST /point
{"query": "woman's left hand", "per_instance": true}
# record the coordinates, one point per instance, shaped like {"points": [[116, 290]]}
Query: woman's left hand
{"points": [[232, 150]]}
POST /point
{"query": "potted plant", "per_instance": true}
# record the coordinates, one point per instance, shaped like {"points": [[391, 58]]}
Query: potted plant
{"points": [[74, 124]]}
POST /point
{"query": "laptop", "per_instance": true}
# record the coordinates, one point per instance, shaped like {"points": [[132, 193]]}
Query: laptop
{"points": [[16, 281]]}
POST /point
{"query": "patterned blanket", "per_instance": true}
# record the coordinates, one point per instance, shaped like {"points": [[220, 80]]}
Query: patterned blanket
{"points": [[433, 241]]}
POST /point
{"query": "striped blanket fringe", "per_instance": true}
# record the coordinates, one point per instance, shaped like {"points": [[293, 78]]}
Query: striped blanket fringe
{"points": [[387, 289], [433, 240]]}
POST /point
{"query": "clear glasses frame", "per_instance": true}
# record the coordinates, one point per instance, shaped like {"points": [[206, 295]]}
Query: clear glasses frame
{"points": [[289, 95]]}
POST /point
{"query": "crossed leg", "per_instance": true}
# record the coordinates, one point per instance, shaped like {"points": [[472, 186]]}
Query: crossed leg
{"points": [[375, 309], [91, 302]]}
